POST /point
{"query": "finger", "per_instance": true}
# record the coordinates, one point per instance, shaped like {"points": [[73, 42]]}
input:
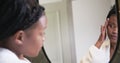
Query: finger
{"points": [[106, 22], [107, 19], [105, 31], [102, 29]]}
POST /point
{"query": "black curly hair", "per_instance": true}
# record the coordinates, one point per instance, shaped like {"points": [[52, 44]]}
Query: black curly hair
{"points": [[112, 12], [18, 15]]}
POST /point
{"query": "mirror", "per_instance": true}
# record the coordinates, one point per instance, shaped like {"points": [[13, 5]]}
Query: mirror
{"points": [[116, 56]]}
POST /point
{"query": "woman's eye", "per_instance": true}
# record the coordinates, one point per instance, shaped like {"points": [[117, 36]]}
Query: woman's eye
{"points": [[112, 26]]}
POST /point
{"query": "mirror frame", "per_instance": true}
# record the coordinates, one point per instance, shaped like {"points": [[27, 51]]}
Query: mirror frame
{"points": [[116, 55]]}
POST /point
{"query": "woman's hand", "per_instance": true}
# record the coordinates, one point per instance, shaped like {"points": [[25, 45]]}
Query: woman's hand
{"points": [[102, 36]]}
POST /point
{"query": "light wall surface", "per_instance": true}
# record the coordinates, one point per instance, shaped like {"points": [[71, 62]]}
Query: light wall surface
{"points": [[48, 1]]}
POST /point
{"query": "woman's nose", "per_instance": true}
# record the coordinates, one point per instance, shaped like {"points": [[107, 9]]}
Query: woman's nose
{"points": [[115, 30]]}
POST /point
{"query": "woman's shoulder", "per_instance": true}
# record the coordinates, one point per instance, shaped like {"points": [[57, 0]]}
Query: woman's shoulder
{"points": [[106, 44], [7, 56]]}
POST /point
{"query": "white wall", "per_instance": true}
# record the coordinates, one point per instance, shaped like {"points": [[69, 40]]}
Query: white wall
{"points": [[112, 2], [48, 1], [88, 16]]}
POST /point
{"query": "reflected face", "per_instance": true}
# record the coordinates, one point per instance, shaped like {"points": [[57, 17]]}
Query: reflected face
{"points": [[112, 29], [34, 38]]}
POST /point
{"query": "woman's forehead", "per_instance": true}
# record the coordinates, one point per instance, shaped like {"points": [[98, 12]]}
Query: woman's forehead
{"points": [[43, 21], [113, 19]]}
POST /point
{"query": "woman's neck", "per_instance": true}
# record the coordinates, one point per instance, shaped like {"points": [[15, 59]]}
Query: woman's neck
{"points": [[112, 49], [112, 45]]}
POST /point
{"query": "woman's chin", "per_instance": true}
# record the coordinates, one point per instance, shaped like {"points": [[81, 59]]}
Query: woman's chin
{"points": [[34, 54], [114, 41]]}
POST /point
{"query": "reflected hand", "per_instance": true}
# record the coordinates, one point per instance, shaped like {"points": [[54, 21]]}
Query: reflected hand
{"points": [[102, 36]]}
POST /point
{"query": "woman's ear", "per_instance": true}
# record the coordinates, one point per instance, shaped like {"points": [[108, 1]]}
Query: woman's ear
{"points": [[19, 37]]}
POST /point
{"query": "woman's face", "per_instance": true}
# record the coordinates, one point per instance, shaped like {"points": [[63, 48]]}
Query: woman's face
{"points": [[112, 29], [34, 38]]}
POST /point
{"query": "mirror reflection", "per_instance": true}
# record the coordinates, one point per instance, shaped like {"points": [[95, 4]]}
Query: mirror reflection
{"points": [[103, 49]]}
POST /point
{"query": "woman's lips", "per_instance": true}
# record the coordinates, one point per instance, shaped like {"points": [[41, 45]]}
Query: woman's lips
{"points": [[114, 37]]}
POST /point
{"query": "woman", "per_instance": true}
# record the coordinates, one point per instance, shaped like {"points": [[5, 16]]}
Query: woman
{"points": [[22, 24], [103, 50]]}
